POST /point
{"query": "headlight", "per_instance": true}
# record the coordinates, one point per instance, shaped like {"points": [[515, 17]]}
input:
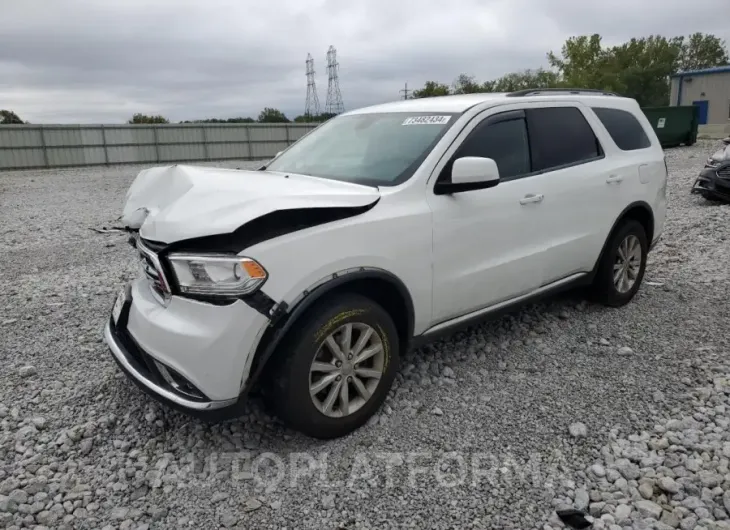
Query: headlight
{"points": [[217, 275]]}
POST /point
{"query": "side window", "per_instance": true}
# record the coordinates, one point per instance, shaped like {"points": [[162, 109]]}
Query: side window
{"points": [[560, 136], [624, 128], [504, 141]]}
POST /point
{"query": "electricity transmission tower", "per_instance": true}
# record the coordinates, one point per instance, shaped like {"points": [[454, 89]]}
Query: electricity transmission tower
{"points": [[405, 91], [312, 106], [334, 103]]}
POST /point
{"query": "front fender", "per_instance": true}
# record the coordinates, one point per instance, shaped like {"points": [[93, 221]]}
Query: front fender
{"points": [[284, 321]]}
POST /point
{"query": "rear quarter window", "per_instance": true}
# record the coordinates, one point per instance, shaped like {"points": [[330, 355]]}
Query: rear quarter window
{"points": [[624, 128]]}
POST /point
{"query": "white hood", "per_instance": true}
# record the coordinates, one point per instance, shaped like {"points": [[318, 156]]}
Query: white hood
{"points": [[179, 202]]}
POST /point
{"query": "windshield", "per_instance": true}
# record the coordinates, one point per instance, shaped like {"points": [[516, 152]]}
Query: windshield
{"points": [[374, 149]]}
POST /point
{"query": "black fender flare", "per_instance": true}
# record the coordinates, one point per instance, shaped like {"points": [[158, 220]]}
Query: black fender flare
{"points": [[643, 205], [286, 319]]}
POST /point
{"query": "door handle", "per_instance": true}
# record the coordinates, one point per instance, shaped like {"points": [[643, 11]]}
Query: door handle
{"points": [[614, 178], [530, 198]]}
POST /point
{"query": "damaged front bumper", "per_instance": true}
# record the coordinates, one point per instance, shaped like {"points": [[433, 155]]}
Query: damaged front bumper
{"points": [[192, 356], [713, 182]]}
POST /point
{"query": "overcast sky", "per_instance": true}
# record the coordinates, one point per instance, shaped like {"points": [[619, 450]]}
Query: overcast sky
{"points": [[100, 61]]}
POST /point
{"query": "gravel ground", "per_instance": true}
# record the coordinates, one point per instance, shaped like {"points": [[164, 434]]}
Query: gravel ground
{"points": [[621, 412]]}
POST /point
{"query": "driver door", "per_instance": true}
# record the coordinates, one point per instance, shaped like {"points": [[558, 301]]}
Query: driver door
{"points": [[488, 244]]}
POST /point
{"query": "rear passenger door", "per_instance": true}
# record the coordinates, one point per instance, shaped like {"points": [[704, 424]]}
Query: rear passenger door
{"points": [[570, 161]]}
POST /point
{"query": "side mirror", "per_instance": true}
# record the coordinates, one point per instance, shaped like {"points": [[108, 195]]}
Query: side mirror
{"points": [[726, 141], [470, 173]]}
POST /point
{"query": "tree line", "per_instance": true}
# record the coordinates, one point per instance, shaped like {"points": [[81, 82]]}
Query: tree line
{"points": [[639, 68], [268, 115]]}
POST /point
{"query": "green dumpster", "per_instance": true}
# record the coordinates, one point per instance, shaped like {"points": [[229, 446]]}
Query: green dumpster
{"points": [[674, 125]]}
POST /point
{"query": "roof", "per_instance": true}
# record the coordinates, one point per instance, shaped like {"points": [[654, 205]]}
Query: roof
{"points": [[460, 103], [705, 71]]}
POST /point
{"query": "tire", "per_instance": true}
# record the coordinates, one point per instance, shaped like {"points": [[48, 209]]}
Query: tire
{"points": [[604, 290], [289, 392]]}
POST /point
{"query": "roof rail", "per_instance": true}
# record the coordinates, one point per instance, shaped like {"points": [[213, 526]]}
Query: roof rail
{"points": [[538, 91]]}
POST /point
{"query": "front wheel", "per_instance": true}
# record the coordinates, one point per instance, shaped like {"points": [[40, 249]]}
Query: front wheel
{"points": [[622, 266], [335, 369]]}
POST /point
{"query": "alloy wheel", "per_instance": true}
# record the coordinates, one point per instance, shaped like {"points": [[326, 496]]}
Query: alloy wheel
{"points": [[346, 370], [628, 264]]}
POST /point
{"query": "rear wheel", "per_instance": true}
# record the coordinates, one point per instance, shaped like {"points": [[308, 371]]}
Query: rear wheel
{"points": [[622, 266], [335, 369]]}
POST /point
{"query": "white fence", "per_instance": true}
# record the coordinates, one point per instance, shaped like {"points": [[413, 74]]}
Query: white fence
{"points": [[49, 146]]}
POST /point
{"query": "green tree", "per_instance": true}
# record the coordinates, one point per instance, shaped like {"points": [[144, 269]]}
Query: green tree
{"points": [[639, 68], [582, 62], [465, 84], [539, 78], [8, 117], [431, 89], [143, 118], [269, 115], [702, 51], [314, 118]]}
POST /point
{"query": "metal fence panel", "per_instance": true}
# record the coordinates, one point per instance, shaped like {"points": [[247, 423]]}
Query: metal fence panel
{"points": [[229, 150], [171, 153], [263, 150], [268, 133], [129, 135], [180, 135], [298, 132], [10, 159], [131, 154], [226, 134], [62, 137], [20, 137], [38, 146], [75, 156]]}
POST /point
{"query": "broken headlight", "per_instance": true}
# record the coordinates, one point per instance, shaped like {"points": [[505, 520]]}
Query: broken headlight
{"points": [[216, 275]]}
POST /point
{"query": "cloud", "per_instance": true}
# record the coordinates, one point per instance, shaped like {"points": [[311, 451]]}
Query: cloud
{"points": [[87, 61]]}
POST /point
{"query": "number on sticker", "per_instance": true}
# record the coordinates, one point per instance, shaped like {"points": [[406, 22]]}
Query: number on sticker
{"points": [[427, 120]]}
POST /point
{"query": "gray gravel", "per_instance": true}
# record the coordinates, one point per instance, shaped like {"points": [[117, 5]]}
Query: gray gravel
{"points": [[562, 403]]}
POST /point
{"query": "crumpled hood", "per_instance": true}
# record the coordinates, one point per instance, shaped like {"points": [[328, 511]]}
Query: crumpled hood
{"points": [[721, 155], [180, 202]]}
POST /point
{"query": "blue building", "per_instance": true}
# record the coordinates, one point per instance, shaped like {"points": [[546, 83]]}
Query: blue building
{"points": [[709, 89]]}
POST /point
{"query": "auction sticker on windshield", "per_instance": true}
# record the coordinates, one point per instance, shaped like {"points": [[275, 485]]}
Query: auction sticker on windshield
{"points": [[427, 120]]}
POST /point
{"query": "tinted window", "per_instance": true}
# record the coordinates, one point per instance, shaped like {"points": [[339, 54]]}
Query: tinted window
{"points": [[560, 136], [625, 130], [505, 142]]}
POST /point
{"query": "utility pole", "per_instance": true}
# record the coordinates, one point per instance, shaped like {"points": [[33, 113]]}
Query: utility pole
{"points": [[405, 91]]}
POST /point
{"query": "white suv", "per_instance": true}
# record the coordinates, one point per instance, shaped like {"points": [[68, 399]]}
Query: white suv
{"points": [[379, 230]]}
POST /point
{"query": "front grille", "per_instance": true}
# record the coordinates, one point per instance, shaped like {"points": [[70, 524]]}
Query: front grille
{"points": [[724, 172], [153, 271]]}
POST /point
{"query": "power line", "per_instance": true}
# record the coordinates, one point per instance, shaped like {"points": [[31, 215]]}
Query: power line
{"points": [[311, 107], [333, 103]]}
